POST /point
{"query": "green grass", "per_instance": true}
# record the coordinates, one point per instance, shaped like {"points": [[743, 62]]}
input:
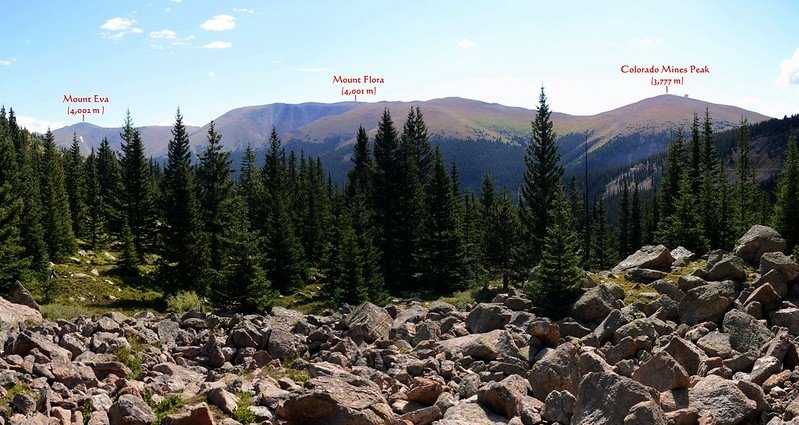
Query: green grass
{"points": [[308, 299], [632, 290], [242, 413], [296, 375], [165, 407], [11, 391], [131, 357]]}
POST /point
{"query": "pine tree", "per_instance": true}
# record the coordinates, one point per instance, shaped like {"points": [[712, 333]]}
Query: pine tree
{"points": [[444, 265], [559, 278], [635, 220], [624, 221], [746, 188], [284, 260], [313, 207], [359, 178], [251, 188], [413, 175], [542, 173], [695, 156], [109, 180], [129, 260], [684, 227], [712, 179], [29, 189], [138, 201], [95, 215], [57, 221], [602, 255], [786, 212], [386, 195], [214, 194], [472, 237], [672, 173], [350, 285], [184, 262], [76, 188], [13, 263], [502, 236]]}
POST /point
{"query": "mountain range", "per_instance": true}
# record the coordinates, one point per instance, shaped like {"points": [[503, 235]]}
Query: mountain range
{"points": [[478, 136]]}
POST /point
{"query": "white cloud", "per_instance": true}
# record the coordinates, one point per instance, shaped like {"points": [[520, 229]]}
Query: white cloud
{"points": [[5, 62], [165, 34], [176, 1], [219, 23], [242, 10], [776, 108], [311, 69], [466, 43], [168, 9], [218, 45], [117, 24], [37, 125], [789, 70], [185, 41], [646, 41], [117, 28], [211, 74]]}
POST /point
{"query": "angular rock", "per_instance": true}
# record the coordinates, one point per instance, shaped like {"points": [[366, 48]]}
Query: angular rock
{"points": [[766, 295], [558, 407], [339, 400], [595, 303], [643, 275], [721, 398], [607, 398], [283, 344], [423, 416], [479, 346], [505, 397], [20, 295], [488, 317], [706, 303], [223, 399], [614, 320], [649, 257], [728, 267], [757, 241], [369, 322], [424, 391], [662, 373], [27, 341], [682, 256], [471, 413], [555, 369], [787, 318], [746, 332], [16, 313], [781, 262], [763, 369], [198, 414], [716, 344], [130, 410]]}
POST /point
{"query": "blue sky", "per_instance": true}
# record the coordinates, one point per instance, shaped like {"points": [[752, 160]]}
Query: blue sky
{"points": [[210, 56]]}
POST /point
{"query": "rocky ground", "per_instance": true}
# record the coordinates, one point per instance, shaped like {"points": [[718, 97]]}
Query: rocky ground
{"points": [[717, 346]]}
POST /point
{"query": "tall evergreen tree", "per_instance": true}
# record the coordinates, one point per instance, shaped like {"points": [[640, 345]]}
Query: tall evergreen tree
{"points": [[746, 187], [559, 277], [444, 265], [111, 188], [684, 226], [57, 221], [13, 263], [252, 189], [635, 220], [138, 202], [542, 173], [624, 221], [284, 259], [95, 215], [672, 173], [786, 211], [75, 182], [359, 178], [602, 254], [313, 207], [29, 189], [695, 156], [184, 263]]}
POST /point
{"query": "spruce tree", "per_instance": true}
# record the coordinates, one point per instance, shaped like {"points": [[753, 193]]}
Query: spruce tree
{"points": [[746, 188], [184, 262], [95, 215], [284, 259], [128, 263], [506, 226], [57, 220], [695, 153], [672, 173], [635, 220], [111, 188], [359, 178], [313, 211], [444, 265], [542, 173], [559, 278], [252, 189], [684, 227], [13, 263], [138, 200], [786, 211], [386, 195], [602, 254], [29, 189], [624, 221], [350, 286], [75, 182], [413, 175], [214, 194]]}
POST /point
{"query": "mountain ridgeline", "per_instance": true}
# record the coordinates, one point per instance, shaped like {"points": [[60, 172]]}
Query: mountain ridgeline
{"points": [[399, 222], [481, 137]]}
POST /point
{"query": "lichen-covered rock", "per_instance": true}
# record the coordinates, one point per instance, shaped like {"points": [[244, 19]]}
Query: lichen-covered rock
{"points": [[607, 398], [339, 400], [648, 257], [706, 303], [369, 322], [757, 241]]}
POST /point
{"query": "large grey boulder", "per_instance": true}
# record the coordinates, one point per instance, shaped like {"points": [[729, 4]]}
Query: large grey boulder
{"points": [[469, 412], [505, 397], [16, 313], [555, 369], [487, 317], [20, 295], [339, 400], [130, 410], [662, 373], [746, 332], [720, 398], [706, 303], [727, 266], [779, 261], [607, 398], [479, 346], [369, 322], [758, 241], [656, 257], [594, 304]]}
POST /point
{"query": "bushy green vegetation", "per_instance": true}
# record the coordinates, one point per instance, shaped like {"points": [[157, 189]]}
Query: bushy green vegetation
{"points": [[184, 301], [242, 413]]}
